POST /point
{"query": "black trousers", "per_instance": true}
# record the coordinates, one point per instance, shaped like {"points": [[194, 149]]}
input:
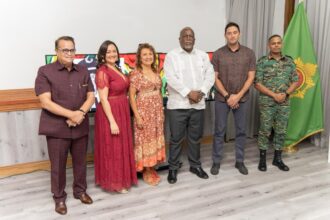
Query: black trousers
{"points": [[182, 122]]}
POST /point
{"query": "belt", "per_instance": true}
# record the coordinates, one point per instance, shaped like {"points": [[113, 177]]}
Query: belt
{"points": [[117, 96]]}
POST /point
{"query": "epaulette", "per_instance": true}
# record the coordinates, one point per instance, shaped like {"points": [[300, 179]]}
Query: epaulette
{"points": [[288, 57], [261, 58]]}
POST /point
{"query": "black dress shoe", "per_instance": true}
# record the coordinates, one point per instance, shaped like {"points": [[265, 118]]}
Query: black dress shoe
{"points": [[199, 172], [60, 208], [215, 168], [171, 178], [241, 168]]}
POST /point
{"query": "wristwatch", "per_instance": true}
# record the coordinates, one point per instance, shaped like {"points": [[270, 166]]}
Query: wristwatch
{"points": [[82, 111], [287, 95], [227, 97]]}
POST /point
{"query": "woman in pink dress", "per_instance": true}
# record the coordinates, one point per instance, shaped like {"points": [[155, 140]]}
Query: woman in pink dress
{"points": [[147, 104], [113, 156]]}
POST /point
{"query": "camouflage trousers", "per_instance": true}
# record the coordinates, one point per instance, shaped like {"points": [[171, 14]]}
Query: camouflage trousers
{"points": [[273, 117]]}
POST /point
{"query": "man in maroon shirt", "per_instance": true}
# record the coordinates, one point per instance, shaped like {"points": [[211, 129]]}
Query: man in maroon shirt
{"points": [[234, 66], [66, 94]]}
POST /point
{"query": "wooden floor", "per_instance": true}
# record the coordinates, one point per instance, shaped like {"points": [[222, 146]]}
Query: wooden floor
{"points": [[302, 193]]}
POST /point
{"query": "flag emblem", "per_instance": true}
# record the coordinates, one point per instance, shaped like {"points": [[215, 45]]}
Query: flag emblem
{"points": [[306, 72]]}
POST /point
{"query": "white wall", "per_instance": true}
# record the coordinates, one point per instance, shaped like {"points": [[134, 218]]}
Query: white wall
{"points": [[29, 29]]}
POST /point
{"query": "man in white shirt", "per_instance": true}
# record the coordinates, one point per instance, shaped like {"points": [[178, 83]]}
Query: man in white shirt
{"points": [[190, 76]]}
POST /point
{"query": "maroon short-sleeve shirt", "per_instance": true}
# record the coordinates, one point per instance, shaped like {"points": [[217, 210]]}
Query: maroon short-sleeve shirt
{"points": [[233, 68], [69, 90]]}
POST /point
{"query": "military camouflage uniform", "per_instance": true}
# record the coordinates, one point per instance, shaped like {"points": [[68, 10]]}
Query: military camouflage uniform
{"points": [[277, 76]]}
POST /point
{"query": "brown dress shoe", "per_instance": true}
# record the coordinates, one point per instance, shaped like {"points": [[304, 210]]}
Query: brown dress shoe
{"points": [[60, 208], [85, 198]]}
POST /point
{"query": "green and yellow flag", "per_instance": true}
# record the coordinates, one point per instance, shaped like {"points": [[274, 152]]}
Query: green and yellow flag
{"points": [[306, 116]]}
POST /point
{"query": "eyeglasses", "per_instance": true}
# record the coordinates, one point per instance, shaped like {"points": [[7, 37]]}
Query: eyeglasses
{"points": [[67, 51]]}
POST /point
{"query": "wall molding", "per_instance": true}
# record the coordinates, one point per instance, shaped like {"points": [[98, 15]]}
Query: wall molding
{"points": [[24, 168], [18, 100]]}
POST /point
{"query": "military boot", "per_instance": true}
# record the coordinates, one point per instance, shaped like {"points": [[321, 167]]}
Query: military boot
{"points": [[278, 161], [262, 162]]}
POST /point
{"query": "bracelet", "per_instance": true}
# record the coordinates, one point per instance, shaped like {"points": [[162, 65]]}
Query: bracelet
{"points": [[82, 111]]}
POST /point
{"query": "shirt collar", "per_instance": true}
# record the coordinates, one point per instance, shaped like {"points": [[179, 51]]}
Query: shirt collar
{"points": [[60, 66], [235, 51], [183, 51], [270, 57]]}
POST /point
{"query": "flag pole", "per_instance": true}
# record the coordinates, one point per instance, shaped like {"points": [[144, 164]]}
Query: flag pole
{"points": [[292, 148]]}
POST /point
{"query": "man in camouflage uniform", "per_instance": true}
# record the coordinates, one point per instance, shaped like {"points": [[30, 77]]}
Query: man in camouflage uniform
{"points": [[276, 78]]}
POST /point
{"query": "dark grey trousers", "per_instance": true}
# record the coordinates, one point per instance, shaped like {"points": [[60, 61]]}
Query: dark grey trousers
{"points": [[182, 121], [221, 115]]}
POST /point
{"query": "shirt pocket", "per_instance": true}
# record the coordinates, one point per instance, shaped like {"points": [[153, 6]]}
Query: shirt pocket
{"points": [[243, 61], [181, 66], [223, 66], [199, 68], [269, 73], [82, 89], [200, 65]]}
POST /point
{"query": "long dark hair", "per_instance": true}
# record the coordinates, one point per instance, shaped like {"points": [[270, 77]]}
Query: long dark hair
{"points": [[103, 51], [138, 56]]}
